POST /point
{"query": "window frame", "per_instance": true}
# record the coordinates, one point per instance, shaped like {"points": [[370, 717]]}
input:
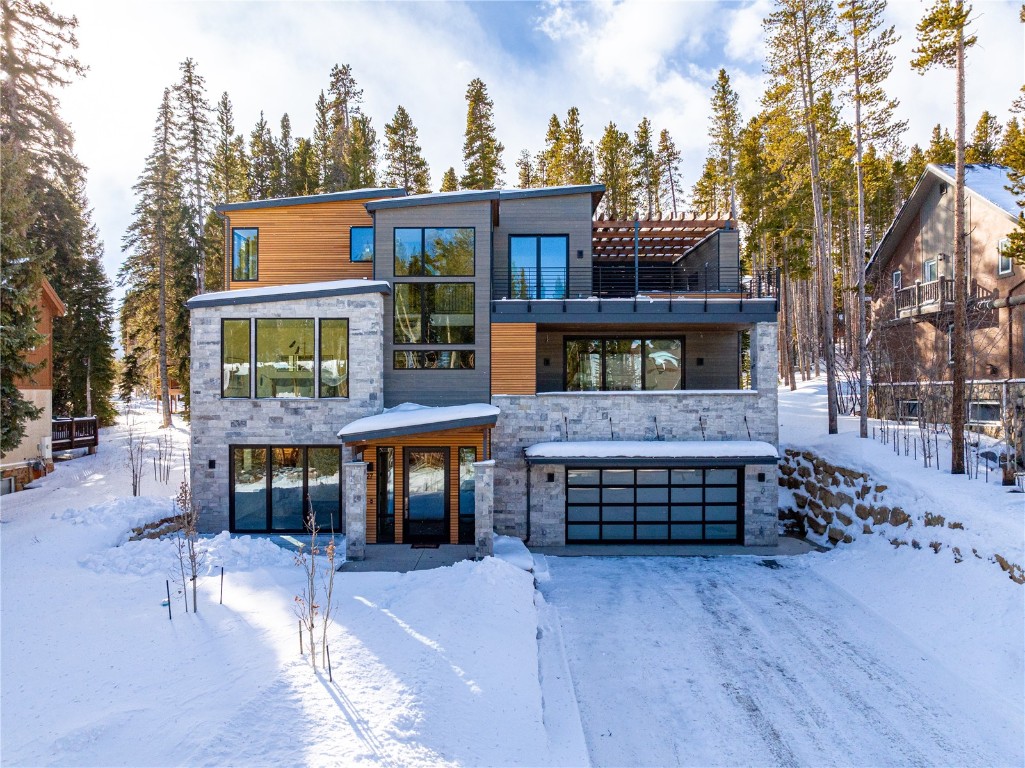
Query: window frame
{"points": [[256, 277], [464, 519], [682, 339], [318, 361], [423, 248], [933, 264], [424, 352], [537, 263], [1004, 244], [352, 254], [268, 449], [425, 313], [249, 361], [975, 403], [950, 343], [898, 280]]}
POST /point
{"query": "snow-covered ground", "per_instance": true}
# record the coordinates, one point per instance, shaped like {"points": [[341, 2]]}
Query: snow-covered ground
{"points": [[867, 654]]}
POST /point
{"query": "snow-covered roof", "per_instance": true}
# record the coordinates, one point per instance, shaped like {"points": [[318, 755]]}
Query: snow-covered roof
{"points": [[653, 451], [412, 418], [287, 292], [987, 181]]}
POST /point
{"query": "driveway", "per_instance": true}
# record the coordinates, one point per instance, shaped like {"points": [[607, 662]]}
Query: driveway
{"points": [[742, 661]]}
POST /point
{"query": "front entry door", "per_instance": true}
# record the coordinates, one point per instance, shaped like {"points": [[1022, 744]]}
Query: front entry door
{"points": [[426, 483]]}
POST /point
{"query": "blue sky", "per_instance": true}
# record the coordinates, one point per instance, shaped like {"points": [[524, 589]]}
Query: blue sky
{"points": [[615, 61]]}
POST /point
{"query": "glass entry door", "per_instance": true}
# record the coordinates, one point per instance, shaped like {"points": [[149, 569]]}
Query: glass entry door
{"points": [[426, 484]]}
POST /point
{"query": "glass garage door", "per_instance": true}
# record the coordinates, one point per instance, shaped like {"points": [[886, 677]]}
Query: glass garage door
{"points": [[618, 505]]}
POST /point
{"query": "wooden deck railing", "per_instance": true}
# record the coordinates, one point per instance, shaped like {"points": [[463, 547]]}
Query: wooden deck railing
{"points": [[80, 432], [934, 296]]}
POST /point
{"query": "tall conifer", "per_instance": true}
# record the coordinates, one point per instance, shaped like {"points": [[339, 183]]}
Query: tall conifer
{"points": [[482, 152], [645, 168], [404, 162], [667, 159], [449, 181], [195, 136]]}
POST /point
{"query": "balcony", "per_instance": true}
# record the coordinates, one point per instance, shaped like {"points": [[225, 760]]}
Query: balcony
{"points": [[80, 432], [930, 298]]}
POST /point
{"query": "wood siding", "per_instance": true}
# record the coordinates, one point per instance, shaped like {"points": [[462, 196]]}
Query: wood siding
{"points": [[302, 243], [453, 440], [48, 305], [514, 359]]}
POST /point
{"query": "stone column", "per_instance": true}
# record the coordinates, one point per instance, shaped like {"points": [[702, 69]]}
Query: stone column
{"points": [[484, 507], [355, 478]]}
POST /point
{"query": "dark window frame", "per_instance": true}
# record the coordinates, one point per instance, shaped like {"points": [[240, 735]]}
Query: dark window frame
{"points": [[423, 248], [445, 350], [629, 337], [668, 485], [268, 485], [446, 451], [249, 362], [537, 262], [352, 258], [256, 277], [465, 523], [424, 313], [318, 360], [316, 356]]}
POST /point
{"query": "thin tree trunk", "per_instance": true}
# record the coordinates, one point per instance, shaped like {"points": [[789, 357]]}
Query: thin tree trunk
{"points": [[958, 375], [165, 388], [860, 241], [88, 387]]}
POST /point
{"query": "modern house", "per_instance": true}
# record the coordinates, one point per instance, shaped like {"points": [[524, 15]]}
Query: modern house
{"points": [[912, 305], [601, 381], [33, 454]]}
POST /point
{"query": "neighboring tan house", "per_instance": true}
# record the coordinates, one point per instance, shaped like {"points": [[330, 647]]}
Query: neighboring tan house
{"points": [[912, 305], [33, 454], [591, 381]]}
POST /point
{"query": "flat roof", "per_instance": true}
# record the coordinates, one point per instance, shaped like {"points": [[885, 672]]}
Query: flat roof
{"points": [[288, 292], [652, 453], [328, 197], [435, 198], [412, 419], [569, 189]]}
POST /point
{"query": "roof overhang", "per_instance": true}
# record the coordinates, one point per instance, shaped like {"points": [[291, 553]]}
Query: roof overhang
{"points": [[414, 419], [288, 293], [661, 239], [653, 453], [434, 198], [329, 197], [50, 296]]}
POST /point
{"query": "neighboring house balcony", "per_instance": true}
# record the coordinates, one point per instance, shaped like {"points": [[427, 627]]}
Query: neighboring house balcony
{"points": [[932, 297]]}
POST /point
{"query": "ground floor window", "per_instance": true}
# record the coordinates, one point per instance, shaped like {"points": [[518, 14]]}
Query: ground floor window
{"points": [[981, 412], [467, 496], [622, 504], [277, 488], [623, 364]]}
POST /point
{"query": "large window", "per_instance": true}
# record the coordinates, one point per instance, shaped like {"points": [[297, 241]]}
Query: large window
{"points": [[1004, 264], [284, 357], [235, 358], [334, 358], [537, 266], [433, 313], [361, 244], [245, 252], [427, 252], [624, 364], [983, 412], [270, 485]]}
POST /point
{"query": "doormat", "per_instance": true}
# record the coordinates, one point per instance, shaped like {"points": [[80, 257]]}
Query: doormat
{"points": [[424, 546]]}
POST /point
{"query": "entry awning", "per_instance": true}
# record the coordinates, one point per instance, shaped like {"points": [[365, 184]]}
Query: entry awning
{"points": [[413, 419], [653, 453]]}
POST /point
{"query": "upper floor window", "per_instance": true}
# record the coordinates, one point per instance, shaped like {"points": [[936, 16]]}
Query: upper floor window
{"points": [[1004, 263], [284, 357], [361, 244], [235, 358], [446, 251], [245, 249], [334, 357], [537, 266], [434, 313], [897, 280], [929, 274]]}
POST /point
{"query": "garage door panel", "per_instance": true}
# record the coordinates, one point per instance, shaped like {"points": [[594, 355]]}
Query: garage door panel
{"points": [[618, 504]]}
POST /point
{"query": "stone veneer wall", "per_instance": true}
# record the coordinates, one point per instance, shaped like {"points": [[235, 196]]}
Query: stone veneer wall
{"points": [[218, 422], [723, 415], [832, 504]]}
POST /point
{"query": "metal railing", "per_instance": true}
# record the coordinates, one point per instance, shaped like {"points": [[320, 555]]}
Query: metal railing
{"points": [[613, 281], [79, 432]]}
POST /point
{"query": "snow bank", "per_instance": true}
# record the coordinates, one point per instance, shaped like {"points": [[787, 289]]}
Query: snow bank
{"points": [[513, 551]]}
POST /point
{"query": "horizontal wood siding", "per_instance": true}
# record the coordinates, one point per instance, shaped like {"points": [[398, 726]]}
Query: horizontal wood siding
{"points": [[302, 243], [514, 359], [453, 439]]}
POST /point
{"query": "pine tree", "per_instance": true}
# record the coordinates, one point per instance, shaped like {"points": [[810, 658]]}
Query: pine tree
{"points": [[404, 162], [645, 169], [344, 99], [554, 154], [709, 194], [285, 182], [322, 141], [262, 160], [578, 159], [615, 162], [724, 133], [228, 175], [985, 141], [667, 160], [361, 154], [482, 152], [942, 40], [941, 147], [526, 173], [36, 153], [195, 136], [449, 181], [156, 235], [1012, 154], [865, 56], [914, 168], [305, 167]]}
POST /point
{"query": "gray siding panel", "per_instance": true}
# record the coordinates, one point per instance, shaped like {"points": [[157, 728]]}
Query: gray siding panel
{"points": [[438, 387]]}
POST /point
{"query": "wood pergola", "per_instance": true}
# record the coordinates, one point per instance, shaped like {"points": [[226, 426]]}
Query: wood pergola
{"points": [[662, 239]]}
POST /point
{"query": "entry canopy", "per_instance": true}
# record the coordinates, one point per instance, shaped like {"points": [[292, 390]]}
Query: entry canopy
{"points": [[412, 419], [648, 453]]}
